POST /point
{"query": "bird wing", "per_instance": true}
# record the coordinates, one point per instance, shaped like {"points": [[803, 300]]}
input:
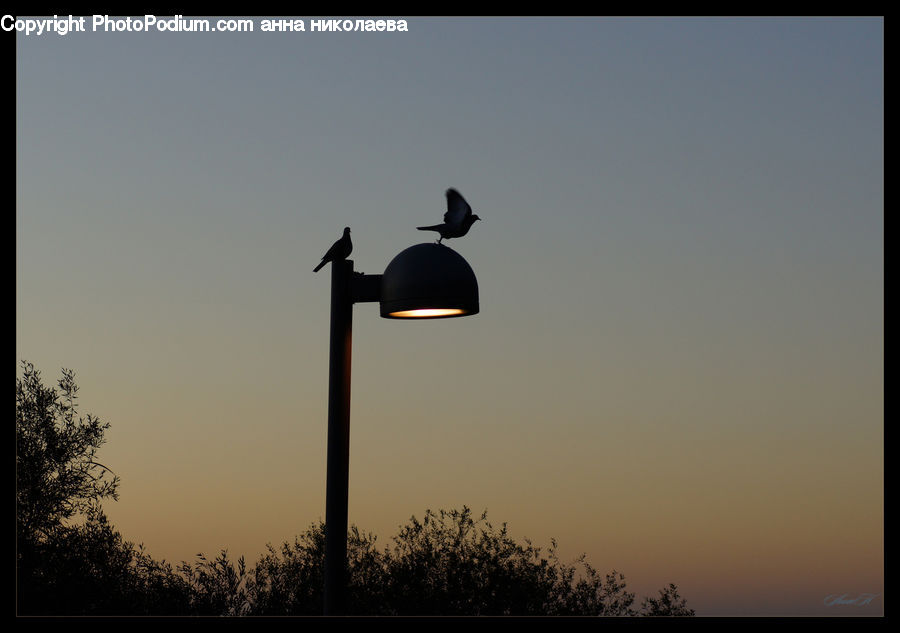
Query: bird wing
{"points": [[457, 209], [331, 252]]}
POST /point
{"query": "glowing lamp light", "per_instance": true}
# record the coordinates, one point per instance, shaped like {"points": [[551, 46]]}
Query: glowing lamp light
{"points": [[427, 313]]}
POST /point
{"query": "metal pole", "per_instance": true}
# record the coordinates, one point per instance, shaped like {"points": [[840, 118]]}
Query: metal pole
{"points": [[336, 489]]}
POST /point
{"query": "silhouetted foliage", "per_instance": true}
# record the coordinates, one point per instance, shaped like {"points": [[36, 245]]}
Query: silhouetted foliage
{"points": [[57, 475], [89, 569], [449, 563], [63, 567], [290, 581], [669, 603], [218, 587]]}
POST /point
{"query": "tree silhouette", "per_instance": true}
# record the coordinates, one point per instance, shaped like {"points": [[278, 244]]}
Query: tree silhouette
{"points": [[64, 567], [57, 475]]}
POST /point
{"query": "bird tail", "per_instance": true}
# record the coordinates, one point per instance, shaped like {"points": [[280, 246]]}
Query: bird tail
{"points": [[436, 227], [321, 263]]}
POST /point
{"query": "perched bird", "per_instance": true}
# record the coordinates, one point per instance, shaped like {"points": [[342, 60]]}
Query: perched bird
{"points": [[339, 250], [457, 220]]}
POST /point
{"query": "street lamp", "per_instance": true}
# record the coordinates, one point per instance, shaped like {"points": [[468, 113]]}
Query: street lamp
{"points": [[425, 281]]}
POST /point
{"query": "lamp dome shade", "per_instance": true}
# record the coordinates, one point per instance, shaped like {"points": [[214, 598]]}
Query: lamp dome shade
{"points": [[429, 281]]}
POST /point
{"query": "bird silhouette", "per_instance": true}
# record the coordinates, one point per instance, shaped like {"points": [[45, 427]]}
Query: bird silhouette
{"points": [[339, 250], [457, 220]]}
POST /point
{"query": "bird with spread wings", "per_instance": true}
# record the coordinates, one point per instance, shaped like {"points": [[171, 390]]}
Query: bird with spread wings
{"points": [[457, 220]]}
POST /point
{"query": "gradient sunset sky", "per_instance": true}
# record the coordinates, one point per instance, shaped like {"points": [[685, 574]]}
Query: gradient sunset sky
{"points": [[678, 368]]}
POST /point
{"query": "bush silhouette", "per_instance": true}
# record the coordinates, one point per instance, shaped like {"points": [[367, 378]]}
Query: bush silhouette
{"points": [[451, 564]]}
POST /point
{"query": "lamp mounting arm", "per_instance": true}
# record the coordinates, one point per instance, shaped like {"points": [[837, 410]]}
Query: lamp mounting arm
{"points": [[365, 288]]}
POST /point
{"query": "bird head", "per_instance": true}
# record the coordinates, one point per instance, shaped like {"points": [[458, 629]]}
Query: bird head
{"points": [[475, 217], [346, 230]]}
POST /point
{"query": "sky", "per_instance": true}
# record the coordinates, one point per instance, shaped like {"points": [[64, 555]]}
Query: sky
{"points": [[678, 366]]}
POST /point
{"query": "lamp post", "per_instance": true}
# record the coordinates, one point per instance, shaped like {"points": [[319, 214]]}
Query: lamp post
{"points": [[425, 281]]}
